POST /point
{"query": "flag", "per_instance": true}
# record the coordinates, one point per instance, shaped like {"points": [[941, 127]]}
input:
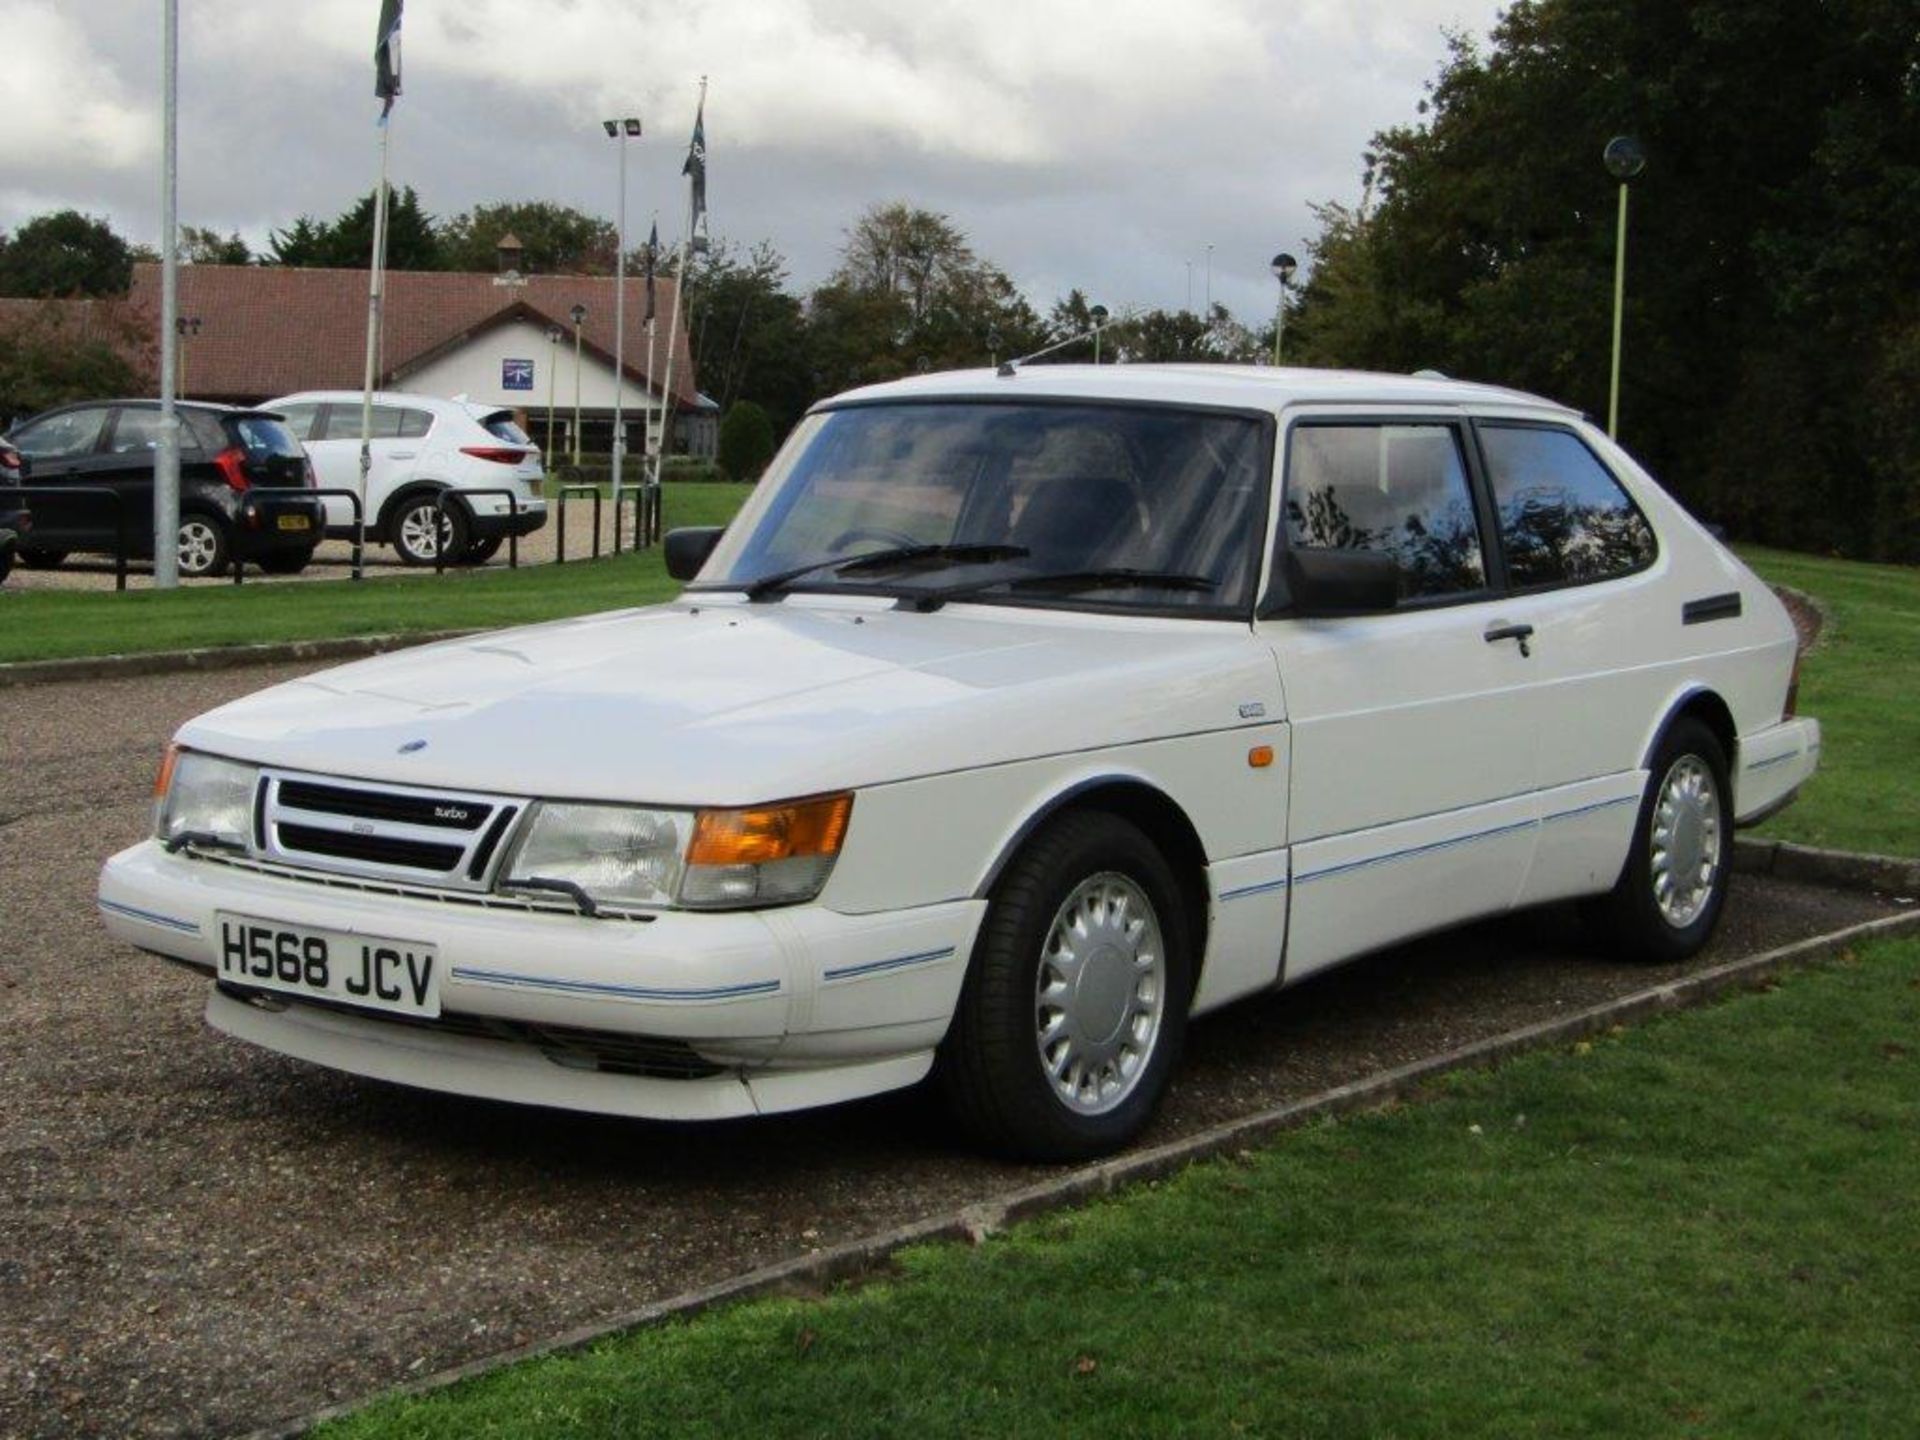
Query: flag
{"points": [[653, 250], [696, 167], [386, 55]]}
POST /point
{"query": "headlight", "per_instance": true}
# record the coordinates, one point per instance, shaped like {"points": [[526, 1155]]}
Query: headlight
{"points": [[204, 799], [620, 855]]}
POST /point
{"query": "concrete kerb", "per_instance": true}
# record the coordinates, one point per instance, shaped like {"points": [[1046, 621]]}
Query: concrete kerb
{"points": [[1895, 876], [213, 657], [815, 1272]]}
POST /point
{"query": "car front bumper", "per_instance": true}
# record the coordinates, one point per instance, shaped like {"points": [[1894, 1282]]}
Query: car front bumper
{"points": [[784, 1008]]}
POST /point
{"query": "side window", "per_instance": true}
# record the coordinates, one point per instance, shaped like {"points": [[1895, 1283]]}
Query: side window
{"points": [[135, 432], [343, 422], [300, 418], [63, 436], [414, 424], [1398, 489], [1564, 520], [200, 430]]}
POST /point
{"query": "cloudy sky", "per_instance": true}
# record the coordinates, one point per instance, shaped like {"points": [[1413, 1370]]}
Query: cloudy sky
{"points": [[1099, 143]]}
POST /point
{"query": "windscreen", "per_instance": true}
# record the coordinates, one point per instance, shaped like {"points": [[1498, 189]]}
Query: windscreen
{"points": [[1075, 489]]}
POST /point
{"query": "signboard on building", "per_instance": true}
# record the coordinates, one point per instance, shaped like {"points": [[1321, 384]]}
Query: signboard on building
{"points": [[516, 374]]}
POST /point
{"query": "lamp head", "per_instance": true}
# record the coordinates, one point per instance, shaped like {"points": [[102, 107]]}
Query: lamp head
{"points": [[1624, 158], [1283, 266], [631, 125], [612, 127], [579, 314], [1098, 314]]}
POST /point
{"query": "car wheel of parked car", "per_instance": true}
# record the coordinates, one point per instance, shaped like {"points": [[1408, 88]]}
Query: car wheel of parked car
{"points": [[1668, 898], [203, 546], [481, 551], [286, 562], [1075, 1003], [421, 528], [36, 559], [6, 562]]}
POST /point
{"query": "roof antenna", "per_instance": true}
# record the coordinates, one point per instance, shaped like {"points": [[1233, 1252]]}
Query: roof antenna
{"points": [[1006, 369]]}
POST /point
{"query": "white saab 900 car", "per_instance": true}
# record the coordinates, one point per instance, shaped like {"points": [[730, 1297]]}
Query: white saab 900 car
{"points": [[1018, 718]]}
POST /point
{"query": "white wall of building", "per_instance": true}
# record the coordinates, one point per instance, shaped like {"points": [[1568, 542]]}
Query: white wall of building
{"points": [[475, 370]]}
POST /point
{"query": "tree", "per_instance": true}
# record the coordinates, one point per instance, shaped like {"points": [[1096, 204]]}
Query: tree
{"points": [[73, 350], [746, 441], [910, 294], [554, 239], [210, 247], [346, 243], [65, 253], [748, 334]]}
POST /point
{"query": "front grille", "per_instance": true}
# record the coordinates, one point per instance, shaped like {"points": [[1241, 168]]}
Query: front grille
{"points": [[608, 1052], [385, 832]]}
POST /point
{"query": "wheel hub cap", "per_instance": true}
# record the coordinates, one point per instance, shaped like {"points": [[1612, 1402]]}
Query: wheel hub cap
{"points": [[1685, 841], [1100, 993]]}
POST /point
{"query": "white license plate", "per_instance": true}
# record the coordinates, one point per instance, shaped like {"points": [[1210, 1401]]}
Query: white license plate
{"points": [[366, 970]]}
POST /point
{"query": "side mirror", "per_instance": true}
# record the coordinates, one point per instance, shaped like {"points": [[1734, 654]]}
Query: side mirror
{"points": [[1340, 582], [687, 549]]}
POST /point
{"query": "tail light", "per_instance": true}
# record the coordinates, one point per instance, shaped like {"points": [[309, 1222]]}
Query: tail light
{"points": [[498, 454], [233, 467], [1793, 688], [313, 479]]}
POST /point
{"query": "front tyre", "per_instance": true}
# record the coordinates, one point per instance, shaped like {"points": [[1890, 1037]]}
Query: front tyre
{"points": [[1075, 1004], [1670, 894]]}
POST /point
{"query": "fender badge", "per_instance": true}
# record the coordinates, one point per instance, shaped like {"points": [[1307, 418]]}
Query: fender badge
{"points": [[412, 745], [1252, 710]]}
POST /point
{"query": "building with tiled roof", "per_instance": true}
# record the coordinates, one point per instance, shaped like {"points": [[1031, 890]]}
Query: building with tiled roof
{"points": [[253, 332]]}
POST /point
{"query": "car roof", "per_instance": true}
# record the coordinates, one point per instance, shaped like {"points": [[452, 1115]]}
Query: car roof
{"points": [[1261, 387]]}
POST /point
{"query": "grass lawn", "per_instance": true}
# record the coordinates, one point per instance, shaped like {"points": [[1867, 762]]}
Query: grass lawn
{"points": [[1863, 682], [1703, 1225], [47, 624]]}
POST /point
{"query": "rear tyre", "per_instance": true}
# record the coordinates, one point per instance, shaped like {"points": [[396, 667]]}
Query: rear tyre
{"points": [[203, 547], [1669, 896], [286, 562], [481, 551], [35, 559], [6, 562], [421, 530], [1074, 1007]]}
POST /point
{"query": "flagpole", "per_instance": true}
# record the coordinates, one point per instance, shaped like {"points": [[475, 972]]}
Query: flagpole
{"points": [[375, 297], [166, 467], [680, 290]]}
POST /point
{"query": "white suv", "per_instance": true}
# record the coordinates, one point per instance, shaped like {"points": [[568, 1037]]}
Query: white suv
{"points": [[421, 447]]}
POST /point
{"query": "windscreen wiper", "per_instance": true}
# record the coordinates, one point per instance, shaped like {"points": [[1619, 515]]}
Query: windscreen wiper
{"points": [[773, 584], [1068, 581]]}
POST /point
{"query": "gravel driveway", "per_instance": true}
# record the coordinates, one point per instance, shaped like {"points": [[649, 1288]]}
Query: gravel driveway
{"points": [[197, 1237]]}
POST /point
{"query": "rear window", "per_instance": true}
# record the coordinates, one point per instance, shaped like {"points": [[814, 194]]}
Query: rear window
{"points": [[500, 425], [261, 437]]}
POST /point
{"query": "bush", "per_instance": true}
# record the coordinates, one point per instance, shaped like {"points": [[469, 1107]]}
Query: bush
{"points": [[746, 441], [598, 470]]}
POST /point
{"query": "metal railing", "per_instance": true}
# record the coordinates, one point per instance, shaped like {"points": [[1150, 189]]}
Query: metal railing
{"points": [[566, 492], [86, 492], [465, 498], [353, 496]]}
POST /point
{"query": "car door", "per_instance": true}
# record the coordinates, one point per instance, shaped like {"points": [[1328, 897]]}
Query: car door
{"points": [[1413, 746], [65, 448], [129, 447], [1579, 561], [394, 450]]}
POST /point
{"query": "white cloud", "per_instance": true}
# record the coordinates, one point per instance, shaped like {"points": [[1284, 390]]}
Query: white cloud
{"points": [[66, 107]]}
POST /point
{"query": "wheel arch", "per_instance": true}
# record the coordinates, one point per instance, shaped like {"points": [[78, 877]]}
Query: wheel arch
{"points": [[1706, 705], [1153, 812], [412, 489]]}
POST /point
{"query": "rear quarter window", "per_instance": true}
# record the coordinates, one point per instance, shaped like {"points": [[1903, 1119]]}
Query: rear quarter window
{"points": [[1564, 519]]}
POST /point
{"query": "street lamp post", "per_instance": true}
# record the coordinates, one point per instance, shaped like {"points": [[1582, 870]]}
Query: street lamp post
{"points": [[1283, 266], [579, 314], [1209, 284], [553, 366], [1098, 314], [620, 131], [1624, 159]]}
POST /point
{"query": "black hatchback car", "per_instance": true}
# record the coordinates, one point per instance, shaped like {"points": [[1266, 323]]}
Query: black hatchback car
{"points": [[242, 483], [15, 522]]}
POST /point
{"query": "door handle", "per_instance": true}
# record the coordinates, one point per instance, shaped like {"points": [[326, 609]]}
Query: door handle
{"points": [[1501, 630], [402, 454]]}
